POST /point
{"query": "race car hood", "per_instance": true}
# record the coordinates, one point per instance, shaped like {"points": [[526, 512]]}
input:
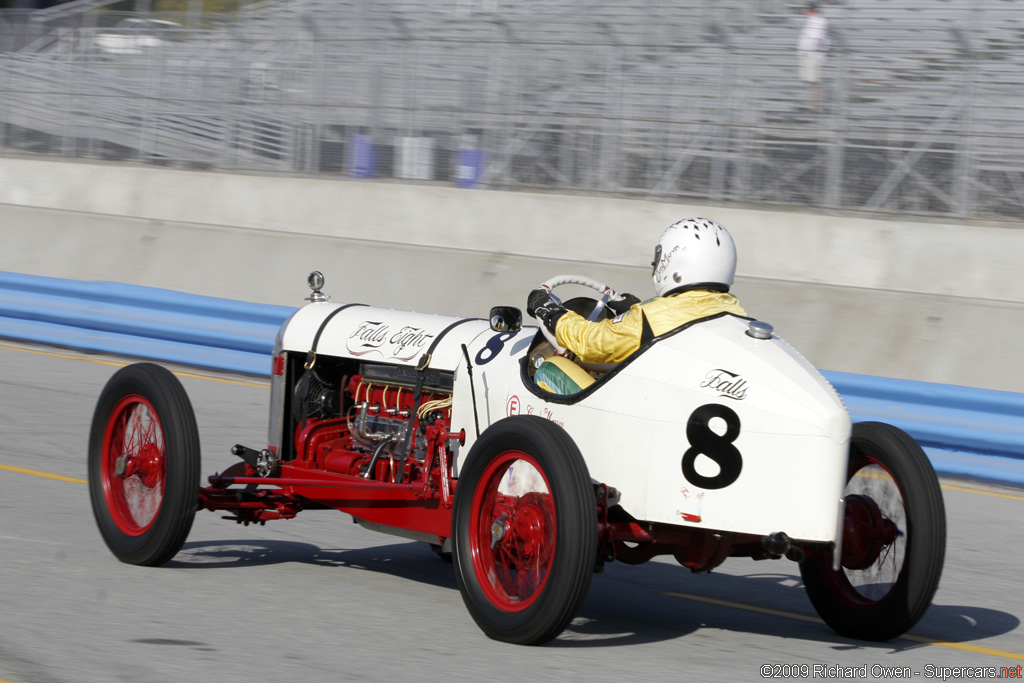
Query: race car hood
{"points": [[379, 334]]}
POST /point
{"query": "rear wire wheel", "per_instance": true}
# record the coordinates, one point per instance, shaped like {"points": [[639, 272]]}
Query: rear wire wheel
{"points": [[894, 539], [144, 464], [524, 530]]}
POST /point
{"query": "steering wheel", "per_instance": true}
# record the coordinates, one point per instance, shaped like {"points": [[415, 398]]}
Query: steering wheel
{"points": [[606, 294]]}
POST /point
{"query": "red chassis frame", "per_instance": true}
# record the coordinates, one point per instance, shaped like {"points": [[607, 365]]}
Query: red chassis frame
{"points": [[424, 507]]}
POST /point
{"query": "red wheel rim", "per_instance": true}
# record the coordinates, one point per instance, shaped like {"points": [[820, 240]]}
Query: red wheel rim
{"points": [[133, 465], [875, 534], [512, 531]]}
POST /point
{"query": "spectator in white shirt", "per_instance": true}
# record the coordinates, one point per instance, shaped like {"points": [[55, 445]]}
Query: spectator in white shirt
{"points": [[812, 48]]}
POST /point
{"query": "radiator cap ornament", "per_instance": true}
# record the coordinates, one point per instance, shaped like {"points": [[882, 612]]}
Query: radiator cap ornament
{"points": [[316, 283]]}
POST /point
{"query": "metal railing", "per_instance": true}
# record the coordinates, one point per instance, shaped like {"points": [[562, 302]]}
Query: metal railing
{"points": [[688, 100]]}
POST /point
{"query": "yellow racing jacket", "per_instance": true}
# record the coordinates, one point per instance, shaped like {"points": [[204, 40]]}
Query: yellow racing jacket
{"points": [[612, 341]]}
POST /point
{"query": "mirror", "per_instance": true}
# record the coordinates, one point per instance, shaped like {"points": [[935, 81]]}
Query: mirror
{"points": [[506, 319]]}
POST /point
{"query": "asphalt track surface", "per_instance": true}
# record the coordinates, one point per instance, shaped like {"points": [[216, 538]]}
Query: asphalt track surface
{"points": [[318, 598]]}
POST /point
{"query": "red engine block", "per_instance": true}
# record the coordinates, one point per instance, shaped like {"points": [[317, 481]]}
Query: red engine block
{"points": [[377, 418]]}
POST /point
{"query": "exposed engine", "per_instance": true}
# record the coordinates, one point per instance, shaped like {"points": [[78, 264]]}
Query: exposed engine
{"points": [[371, 423]]}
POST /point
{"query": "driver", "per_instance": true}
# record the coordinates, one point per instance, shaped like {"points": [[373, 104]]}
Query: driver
{"points": [[694, 266]]}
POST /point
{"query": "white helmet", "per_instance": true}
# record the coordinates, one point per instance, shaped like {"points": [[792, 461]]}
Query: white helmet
{"points": [[694, 253]]}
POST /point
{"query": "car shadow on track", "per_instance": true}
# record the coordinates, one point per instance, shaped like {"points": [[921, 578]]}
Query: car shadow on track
{"points": [[663, 596], [628, 605], [413, 561], [964, 623]]}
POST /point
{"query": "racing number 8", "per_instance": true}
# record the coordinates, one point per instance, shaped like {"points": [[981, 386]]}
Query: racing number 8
{"points": [[718, 447], [493, 347]]}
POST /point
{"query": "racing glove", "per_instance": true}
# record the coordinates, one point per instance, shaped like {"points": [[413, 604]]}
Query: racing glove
{"points": [[545, 308], [622, 303]]}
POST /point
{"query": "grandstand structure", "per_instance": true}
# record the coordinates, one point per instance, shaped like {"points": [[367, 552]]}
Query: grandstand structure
{"points": [[682, 100]]}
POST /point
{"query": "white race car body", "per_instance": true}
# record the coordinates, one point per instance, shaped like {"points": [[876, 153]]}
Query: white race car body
{"points": [[766, 436], [713, 441]]}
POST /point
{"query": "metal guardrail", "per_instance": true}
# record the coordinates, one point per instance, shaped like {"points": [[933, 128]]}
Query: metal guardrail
{"points": [[978, 432], [940, 415], [966, 431], [695, 100], [140, 322]]}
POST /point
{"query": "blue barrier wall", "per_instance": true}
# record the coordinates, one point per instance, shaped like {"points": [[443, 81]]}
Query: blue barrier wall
{"points": [[140, 322], [967, 432], [976, 433]]}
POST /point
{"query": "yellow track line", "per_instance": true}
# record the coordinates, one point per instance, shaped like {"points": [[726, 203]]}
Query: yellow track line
{"points": [[984, 493], [803, 617], [948, 487], [62, 355], [222, 380], [45, 475]]}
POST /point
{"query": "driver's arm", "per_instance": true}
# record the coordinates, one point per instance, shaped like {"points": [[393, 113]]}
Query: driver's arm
{"points": [[604, 341], [612, 341]]}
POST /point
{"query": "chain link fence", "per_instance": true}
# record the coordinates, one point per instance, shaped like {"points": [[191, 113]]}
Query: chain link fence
{"points": [[696, 101]]}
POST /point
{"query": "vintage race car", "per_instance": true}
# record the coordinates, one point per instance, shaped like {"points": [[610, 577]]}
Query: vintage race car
{"points": [[716, 440]]}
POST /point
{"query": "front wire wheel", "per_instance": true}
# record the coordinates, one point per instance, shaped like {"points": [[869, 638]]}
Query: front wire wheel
{"points": [[894, 539], [144, 464], [524, 531]]}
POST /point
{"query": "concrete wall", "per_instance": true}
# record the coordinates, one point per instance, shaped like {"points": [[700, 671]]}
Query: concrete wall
{"points": [[914, 300]]}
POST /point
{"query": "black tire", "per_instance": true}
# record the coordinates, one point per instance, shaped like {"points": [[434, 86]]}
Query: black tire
{"points": [[144, 426], [896, 495], [524, 558]]}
